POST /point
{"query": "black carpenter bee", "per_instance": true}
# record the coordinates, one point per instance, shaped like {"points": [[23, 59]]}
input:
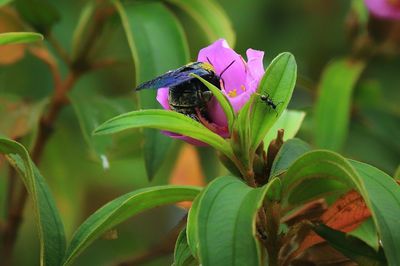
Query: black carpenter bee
{"points": [[187, 94], [268, 100]]}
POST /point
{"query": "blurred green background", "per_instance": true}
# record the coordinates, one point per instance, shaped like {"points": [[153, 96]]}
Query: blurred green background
{"points": [[316, 32]]}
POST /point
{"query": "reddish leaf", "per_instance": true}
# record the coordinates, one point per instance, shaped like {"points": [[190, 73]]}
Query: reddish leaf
{"points": [[310, 211], [346, 214]]}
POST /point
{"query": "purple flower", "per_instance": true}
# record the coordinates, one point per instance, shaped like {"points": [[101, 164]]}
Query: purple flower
{"points": [[389, 9], [240, 80]]}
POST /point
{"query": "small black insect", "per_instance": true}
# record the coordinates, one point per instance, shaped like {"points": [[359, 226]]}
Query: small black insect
{"points": [[268, 100], [188, 95]]}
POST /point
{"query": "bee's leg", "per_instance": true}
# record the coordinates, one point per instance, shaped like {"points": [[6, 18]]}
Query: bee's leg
{"points": [[202, 119], [194, 117]]}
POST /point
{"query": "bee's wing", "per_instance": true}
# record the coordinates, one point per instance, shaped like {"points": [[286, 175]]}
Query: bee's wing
{"points": [[172, 78], [167, 80]]}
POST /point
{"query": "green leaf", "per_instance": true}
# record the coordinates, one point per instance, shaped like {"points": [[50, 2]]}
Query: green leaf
{"points": [[350, 246], [192, 226], [210, 163], [333, 105], [50, 228], [397, 173], [182, 254], [4, 2], [156, 39], [225, 222], [278, 82], [91, 110], [80, 32], [367, 233], [290, 121], [290, 151], [314, 174], [165, 120], [383, 199], [19, 37], [242, 127], [122, 208], [157, 44], [209, 17], [41, 14], [156, 147], [361, 10], [222, 100], [334, 173]]}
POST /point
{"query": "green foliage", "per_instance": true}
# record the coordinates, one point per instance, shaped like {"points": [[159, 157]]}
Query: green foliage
{"points": [[367, 233], [159, 25], [19, 37], [290, 121], [82, 29], [209, 17], [115, 45], [120, 209], [48, 222], [290, 151], [5, 2], [91, 111], [182, 254], [333, 105], [350, 246], [379, 191], [40, 14], [224, 222], [278, 82], [165, 120]]}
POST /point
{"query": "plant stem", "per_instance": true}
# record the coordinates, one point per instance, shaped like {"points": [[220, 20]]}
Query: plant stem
{"points": [[16, 208], [273, 243], [58, 101]]}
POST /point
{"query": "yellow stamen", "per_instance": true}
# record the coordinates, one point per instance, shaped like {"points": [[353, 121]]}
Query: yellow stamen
{"points": [[232, 93], [243, 88]]}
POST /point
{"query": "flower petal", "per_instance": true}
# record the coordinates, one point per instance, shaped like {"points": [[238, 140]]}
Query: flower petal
{"points": [[220, 56], [184, 138], [255, 65], [162, 97], [240, 100], [384, 8]]}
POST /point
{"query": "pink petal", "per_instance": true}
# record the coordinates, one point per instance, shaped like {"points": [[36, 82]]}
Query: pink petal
{"points": [[240, 100], [221, 55], [255, 68], [162, 97], [253, 72], [240, 81], [216, 113], [384, 8], [184, 138]]}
